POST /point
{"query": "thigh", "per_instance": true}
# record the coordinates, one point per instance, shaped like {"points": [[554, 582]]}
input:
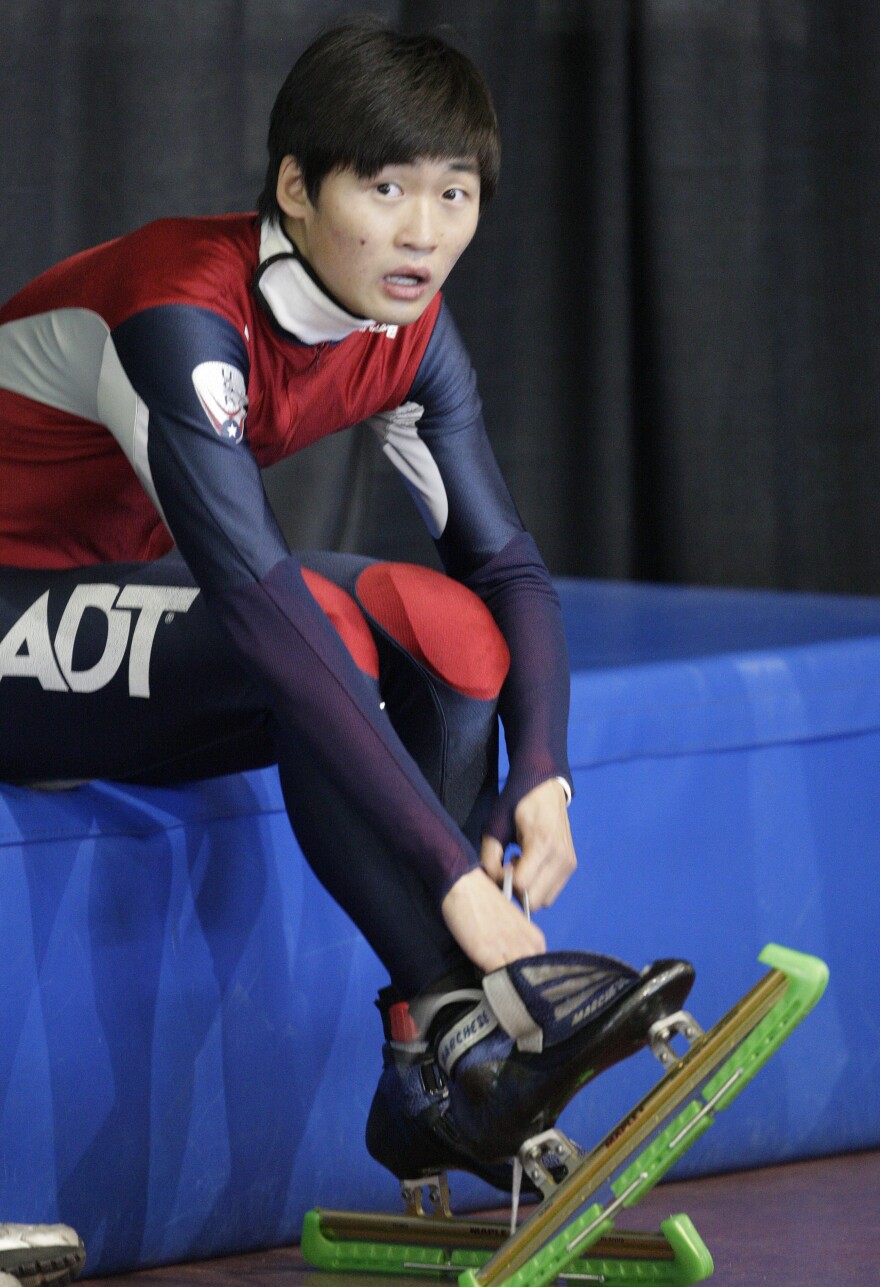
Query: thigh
{"points": [[119, 671]]}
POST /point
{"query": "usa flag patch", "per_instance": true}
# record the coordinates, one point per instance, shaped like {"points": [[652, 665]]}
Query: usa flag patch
{"points": [[222, 391]]}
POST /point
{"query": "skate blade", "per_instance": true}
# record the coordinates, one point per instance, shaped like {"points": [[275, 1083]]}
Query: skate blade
{"points": [[715, 1069], [363, 1242]]}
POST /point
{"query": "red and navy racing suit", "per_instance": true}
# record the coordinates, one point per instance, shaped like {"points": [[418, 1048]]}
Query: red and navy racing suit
{"points": [[143, 386]]}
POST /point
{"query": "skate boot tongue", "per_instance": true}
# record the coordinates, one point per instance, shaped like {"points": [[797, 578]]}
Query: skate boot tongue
{"points": [[537, 1002], [544, 1000]]}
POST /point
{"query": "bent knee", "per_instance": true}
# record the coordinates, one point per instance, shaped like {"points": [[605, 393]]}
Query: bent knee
{"points": [[442, 623]]}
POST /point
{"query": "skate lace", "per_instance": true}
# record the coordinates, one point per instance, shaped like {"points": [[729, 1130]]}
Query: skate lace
{"points": [[516, 1185], [507, 890], [515, 1189]]}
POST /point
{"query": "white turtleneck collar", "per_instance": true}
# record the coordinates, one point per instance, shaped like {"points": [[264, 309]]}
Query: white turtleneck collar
{"points": [[294, 297]]}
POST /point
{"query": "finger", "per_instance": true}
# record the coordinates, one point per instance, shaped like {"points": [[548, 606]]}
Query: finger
{"points": [[492, 858], [543, 871], [529, 873], [518, 937], [534, 889], [538, 942]]}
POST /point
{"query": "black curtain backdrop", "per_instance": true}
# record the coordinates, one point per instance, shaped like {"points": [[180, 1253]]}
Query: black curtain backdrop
{"points": [[673, 303]]}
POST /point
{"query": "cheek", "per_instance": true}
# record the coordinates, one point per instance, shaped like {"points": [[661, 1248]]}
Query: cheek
{"points": [[353, 246], [454, 253]]}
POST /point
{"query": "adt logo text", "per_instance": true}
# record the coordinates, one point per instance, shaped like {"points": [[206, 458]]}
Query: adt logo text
{"points": [[28, 651]]}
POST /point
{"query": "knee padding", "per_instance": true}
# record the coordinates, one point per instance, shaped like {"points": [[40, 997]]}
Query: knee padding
{"points": [[347, 619], [445, 626]]}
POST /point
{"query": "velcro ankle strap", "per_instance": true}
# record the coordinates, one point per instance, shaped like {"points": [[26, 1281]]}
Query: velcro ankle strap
{"points": [[464, 1033], [511, 1011], [425, 1008]]}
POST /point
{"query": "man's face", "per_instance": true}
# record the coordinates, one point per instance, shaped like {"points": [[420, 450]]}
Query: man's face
{"points": [[385, 245]]}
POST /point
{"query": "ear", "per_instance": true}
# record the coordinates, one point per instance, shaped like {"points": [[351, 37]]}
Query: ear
{"points": [[291, 189]]}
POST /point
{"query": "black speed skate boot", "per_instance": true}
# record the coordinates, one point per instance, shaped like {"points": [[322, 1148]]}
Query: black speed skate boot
{"points": [[544, 1027], [471, 1074], [409, 1129]]}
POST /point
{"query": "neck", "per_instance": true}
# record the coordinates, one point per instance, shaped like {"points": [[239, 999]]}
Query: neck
{"points": [[294, 295]]}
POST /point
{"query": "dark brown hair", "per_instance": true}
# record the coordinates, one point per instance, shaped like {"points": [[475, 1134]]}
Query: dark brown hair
{"points": [[362, 97]]}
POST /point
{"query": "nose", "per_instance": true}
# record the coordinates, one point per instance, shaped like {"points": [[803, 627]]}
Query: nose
{"points": [[418, 228]]}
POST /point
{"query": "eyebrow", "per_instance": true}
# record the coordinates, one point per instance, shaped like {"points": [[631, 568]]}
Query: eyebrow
{"points": [[459, 165]]}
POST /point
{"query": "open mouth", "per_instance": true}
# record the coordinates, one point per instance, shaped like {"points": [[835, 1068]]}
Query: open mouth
{"points": [[406, 285]]}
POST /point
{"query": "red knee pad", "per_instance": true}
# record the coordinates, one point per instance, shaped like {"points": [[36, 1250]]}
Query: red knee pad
{"points": [[442, 623], [347, 619]]}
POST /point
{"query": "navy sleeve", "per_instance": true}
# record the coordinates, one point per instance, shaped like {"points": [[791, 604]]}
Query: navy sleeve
{"points": [[190, 368], [483, 542]]}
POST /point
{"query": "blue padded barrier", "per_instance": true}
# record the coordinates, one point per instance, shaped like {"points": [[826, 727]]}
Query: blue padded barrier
{"points": [[725, 747], [188, 1045]]}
